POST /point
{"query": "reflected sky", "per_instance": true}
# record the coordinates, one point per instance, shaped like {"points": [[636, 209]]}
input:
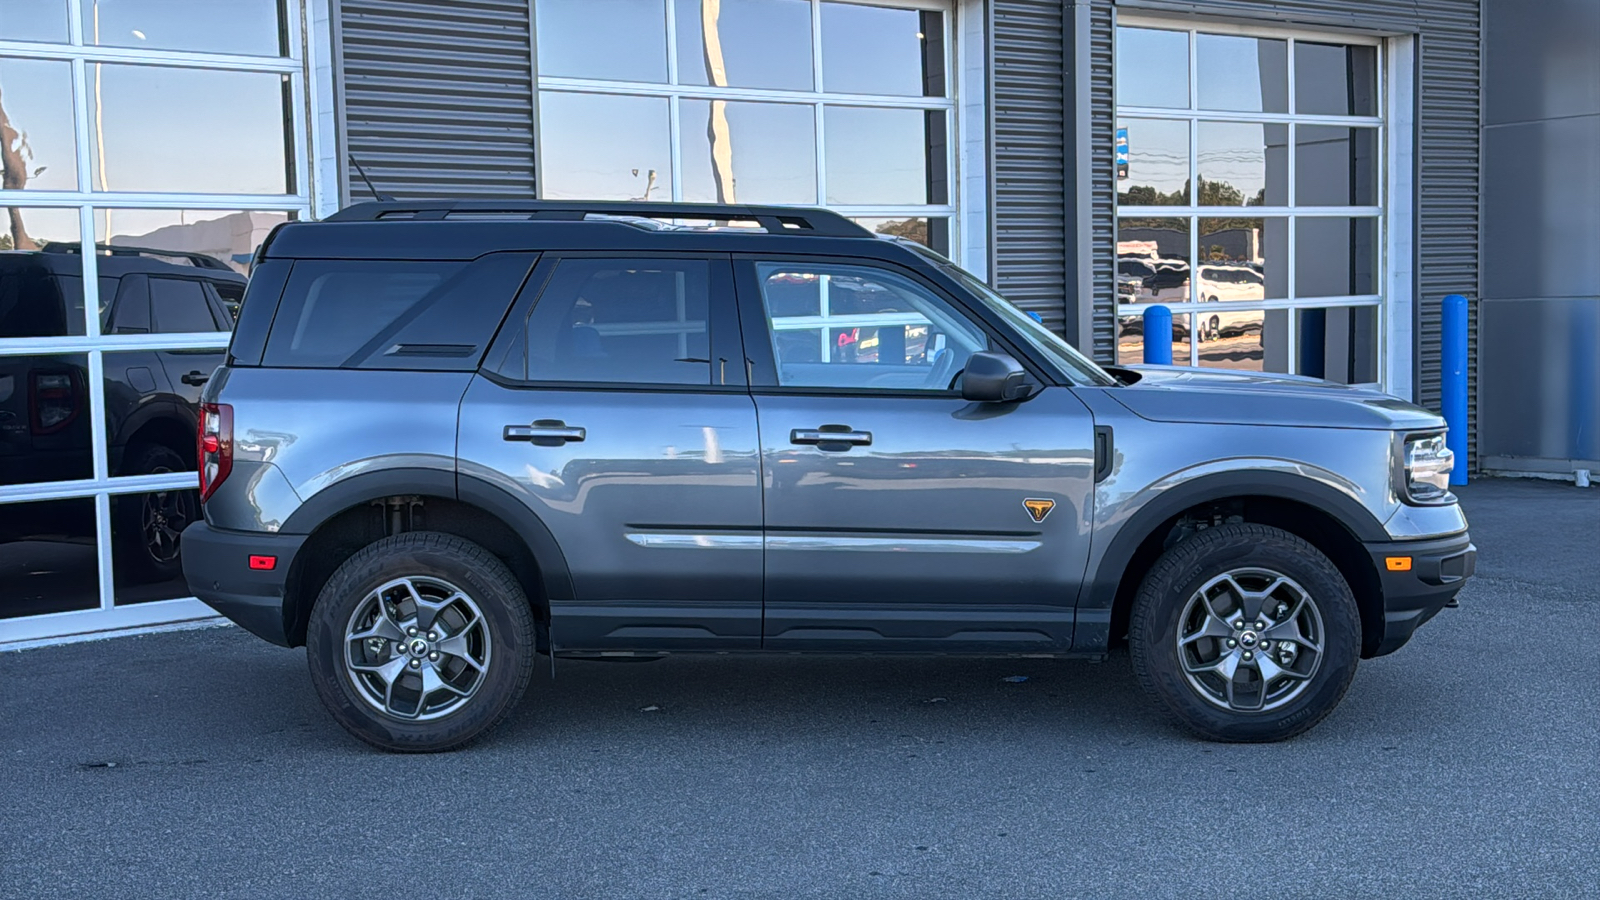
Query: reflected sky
{"points": [[774, 152], [34, 20], [604, 147], [36, 96], [765, 43], [1235, 158], [631, 45], [872, 50], [1242, 73], [1152, 68], [212, 26]]}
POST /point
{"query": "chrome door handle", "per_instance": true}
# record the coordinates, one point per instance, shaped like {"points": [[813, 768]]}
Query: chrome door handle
{"points": [[841, 437], [545, 433]]}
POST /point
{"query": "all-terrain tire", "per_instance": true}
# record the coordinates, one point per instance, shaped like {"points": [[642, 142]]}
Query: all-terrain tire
{"points": [[432, 557], [145, 528], [1158, 616]]}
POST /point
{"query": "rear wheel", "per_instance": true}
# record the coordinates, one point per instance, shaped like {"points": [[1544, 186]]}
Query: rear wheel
{"points": [[147, 527], [1245, 633], [421, 642]]}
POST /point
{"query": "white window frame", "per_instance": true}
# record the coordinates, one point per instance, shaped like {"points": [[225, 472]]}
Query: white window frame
{"points": [[1392, 213]]}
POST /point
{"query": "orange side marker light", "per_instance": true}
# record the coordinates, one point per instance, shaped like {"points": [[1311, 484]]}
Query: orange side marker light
{"points": [[1398, 563]]}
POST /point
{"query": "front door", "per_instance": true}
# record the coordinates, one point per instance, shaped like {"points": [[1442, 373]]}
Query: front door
{"points": [[899, 516], [611, 409]]}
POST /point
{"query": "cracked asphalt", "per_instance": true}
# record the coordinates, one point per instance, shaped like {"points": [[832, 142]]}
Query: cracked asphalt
{"points": [[200, 764]]}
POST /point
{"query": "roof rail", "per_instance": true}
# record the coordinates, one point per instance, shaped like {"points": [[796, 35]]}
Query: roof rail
{"points": [[198, 260], [775, 219]]}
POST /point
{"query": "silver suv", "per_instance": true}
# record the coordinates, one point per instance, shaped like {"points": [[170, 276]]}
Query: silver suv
{"points": [[449, 436]]}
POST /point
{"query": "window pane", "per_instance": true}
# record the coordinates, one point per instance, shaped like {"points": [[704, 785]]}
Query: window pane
{"points": [[933, 233], [48, 559], [877, 155], [621, 40], [1252, 341], [1152, 68], [153, 138], [146, 537], [1335, 166], [1130, 339], [1243, 259], [1153, 260], [147, 240], [34, 20], [1242, 73], [1243, 164], [1338, 344], [756, 43], [1335, 79], [604, 147], [1158, 163], [331, 309], [180, 306], [858, 327], [39, 150], [41, 292], [237, 26], [44, 419], [874, 50], [769, 150], [151, 409], [624, 321], [1335, 257]]}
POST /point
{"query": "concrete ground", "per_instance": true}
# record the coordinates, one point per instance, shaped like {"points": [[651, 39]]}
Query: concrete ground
{"points": [[200, 764]]}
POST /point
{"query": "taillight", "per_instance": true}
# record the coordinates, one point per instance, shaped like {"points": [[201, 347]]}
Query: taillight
{"points": [[52, 400], [215, 446]]}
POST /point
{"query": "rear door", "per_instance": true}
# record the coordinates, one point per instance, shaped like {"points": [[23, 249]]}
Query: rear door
{"points": [[614, 405]]}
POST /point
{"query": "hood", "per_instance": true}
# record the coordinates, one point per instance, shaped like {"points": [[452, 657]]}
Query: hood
{"points": [[1219, 397]]}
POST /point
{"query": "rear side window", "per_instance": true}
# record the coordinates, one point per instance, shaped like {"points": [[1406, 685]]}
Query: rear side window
{"points": [[179, 306], [393, 315]]}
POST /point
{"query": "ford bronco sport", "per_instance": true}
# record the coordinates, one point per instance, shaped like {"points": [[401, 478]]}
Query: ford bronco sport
{"points": [[450, 435]]}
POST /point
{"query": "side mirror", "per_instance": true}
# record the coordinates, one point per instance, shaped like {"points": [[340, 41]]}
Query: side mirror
{"points": [[994, 378]]}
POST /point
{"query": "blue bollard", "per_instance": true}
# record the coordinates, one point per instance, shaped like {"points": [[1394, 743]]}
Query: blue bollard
{"points": [[1157, 336], [1453, 380]]}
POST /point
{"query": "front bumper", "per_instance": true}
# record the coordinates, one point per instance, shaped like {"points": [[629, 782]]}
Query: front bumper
{"points": [[216, 563], [1438, 569]]}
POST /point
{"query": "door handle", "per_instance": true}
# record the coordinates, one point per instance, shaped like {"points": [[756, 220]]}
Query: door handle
{"points": [[831, 437], [195, 378], [545, 433]]}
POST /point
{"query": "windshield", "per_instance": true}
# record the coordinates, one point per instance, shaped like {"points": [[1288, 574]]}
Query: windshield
{"points": [[1076, 366]]}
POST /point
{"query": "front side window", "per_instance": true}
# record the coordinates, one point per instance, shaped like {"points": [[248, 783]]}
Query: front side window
{"points": [[860, 327]]}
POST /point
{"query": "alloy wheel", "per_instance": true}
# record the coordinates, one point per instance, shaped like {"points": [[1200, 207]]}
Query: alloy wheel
{"points": [[1250, 640], [417, 648]]}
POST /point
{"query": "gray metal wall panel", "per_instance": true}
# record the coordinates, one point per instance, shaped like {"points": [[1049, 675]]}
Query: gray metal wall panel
{"points": [[1542, 60], [437, 98], [1541, 395]]}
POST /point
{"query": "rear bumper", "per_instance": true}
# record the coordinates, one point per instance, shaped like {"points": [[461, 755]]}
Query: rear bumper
{"points": [[1439, 568], [216, 563]]}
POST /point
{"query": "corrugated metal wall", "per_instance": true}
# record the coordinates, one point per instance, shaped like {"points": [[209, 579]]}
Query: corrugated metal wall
{"points": [[437, 98], [1024, 31]]}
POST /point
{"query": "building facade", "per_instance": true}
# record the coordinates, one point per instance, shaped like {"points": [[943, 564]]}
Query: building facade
{"points": [[1299, 181]]}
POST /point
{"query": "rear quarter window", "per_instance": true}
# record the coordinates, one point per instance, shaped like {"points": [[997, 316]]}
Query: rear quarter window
{"points": [[371, 314]]}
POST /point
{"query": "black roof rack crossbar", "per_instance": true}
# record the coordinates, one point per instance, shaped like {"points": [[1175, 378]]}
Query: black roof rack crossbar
{"points": [[198, 260], [775, 219]]}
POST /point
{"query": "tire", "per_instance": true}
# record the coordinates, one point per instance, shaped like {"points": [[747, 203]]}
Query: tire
{"points": [[475, 635], [146, 527], [1302, 662]]}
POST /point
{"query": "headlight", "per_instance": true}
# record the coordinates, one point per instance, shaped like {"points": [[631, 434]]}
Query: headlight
{"points": [[1427, 468]]}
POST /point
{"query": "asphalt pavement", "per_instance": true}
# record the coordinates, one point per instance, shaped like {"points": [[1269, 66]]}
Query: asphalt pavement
{"points": [[200, 764]]}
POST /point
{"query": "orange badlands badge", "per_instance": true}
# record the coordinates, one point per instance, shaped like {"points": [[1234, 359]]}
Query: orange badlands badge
{"points": [[1039, 508]]}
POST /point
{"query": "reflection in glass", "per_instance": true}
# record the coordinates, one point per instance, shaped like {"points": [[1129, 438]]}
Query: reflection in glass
{"points": [[1152, 68], [1242, 164], [1242, 341], [146, 539], [187, 238], [1243, 259], [44, 418], [34, 228], [251, 27], [737, 152], [1335, 166], [617, 40], [1335, 256], [745, 43], [37, 147], [34, 20], [48, 559], [933, 233], [1335, 79], [1338, 344], [163, 129], [1242, 73], [876, 50], [878, 155], [604, 147], [1153, 260], [1130, 339], [1158, 163]]}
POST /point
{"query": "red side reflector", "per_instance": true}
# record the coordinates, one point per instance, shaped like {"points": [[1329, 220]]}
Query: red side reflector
{"points": [[263, 562]]}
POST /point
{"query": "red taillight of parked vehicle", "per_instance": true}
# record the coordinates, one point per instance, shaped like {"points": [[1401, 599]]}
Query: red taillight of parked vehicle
{"points": [[215, 449], [52, 400]]}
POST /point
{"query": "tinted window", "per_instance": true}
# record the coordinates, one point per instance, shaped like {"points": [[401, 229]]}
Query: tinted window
{"points": [[179, 306], [392, 315], [35, 303], [640, 321]]}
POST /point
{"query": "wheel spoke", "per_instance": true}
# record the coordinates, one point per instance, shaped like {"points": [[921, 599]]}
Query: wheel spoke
{"points": [[1214, 627], [384, 628], [432, 682], [1224, 665], [456, 646]]}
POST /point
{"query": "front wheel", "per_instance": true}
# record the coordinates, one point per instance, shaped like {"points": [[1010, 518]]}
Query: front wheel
{"points": [[421, 642], [1245, 633]]}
